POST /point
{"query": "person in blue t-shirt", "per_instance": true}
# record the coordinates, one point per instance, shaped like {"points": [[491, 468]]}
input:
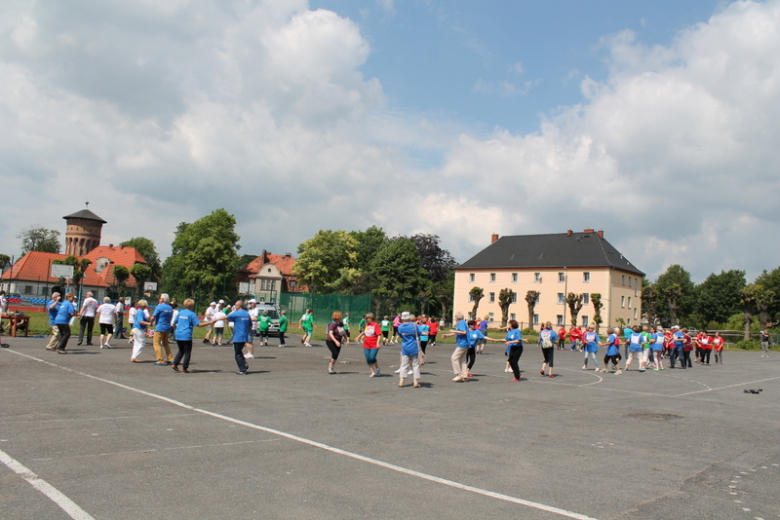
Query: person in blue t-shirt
{"points": [[65, 312], [476, 338], [53, 307], [460, 332], [242, 329], [161, 319], [591, 341], [410, 353], [547, 340], [657, 341], [678, 340], [514, 344], [186, 321], [627, 331], [613, 351]]}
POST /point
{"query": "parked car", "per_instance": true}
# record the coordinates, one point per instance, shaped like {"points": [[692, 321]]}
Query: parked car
{"points": [[273, 312]]}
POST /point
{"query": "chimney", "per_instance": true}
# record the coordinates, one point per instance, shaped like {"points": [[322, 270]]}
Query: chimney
{"points": [[589, 231], [121, 246], [568, 232], [493, 238], [287, 255], [111, 246], [601, 234]]}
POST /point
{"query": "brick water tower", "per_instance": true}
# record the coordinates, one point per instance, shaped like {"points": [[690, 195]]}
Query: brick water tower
{"points": [[83, 232]]}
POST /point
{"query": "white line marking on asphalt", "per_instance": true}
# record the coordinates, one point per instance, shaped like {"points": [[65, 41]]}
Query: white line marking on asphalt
{"points": [[338, 451], [727, 387], [66, 504]]}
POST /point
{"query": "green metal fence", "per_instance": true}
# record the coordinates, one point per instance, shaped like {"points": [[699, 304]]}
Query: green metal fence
{"points": [[324, 305]]}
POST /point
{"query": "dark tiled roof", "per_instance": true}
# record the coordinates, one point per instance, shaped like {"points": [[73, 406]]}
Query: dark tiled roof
{"points": [[86, 215], [550, 251]]}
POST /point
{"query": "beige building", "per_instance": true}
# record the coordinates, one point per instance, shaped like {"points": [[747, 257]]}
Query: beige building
{"points": [[553, 265]]}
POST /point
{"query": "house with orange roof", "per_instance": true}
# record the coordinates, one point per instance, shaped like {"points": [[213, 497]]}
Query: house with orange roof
{"points": [[31, 276], [268, 275]]}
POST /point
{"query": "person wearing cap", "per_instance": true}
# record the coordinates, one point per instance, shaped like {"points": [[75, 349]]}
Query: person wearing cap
{"points": [[208, 316], [678, 343], [218, 320], [409, 333]]}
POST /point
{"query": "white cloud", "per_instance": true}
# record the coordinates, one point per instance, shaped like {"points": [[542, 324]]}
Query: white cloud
{"points": [[158, 113]]}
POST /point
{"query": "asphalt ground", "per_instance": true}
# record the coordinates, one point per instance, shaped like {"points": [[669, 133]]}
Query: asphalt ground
{"points": [[92, 435]]}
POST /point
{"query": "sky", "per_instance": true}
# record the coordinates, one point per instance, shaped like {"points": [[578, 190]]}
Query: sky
{"points": [[656, 122]]}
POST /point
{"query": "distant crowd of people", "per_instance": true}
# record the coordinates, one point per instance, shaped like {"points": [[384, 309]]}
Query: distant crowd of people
{"points": [[650, 347]]}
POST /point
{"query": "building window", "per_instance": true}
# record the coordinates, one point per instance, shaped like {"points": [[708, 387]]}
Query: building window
{"points": [[586, 299], [472, 277], [492, 297], [586, 277], [513, 316], [471, 315], [28, 289], [538, 297], [561, 298], [536, 319], [584, 321], [561, 277], [514, 297], [623, 280], [471, 298], [537, 277], [514, 277], [635, 311], [292, 284], [560, 320], [629, 302], [492, 277], [490, 316], [630, 278], [622, 301]]}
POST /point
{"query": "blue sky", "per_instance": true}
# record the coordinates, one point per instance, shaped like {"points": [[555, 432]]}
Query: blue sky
{"points": [[653, 121]]}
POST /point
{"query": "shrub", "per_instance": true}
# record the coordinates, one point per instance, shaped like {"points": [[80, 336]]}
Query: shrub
{"points": [[748, 345], [528, 331]]}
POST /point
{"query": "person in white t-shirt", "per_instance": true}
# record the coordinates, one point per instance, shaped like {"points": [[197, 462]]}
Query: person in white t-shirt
{"points": [[120, 318], [106, 313], [209, 316], [131, 320], [254, 312], [87, 313], [219, 319]]}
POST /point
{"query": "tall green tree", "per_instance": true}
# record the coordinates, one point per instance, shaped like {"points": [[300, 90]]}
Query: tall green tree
{"points": [[595, 299], [204, 255], [141, 273], [436, 261], [327, 262], [146, 249], [38, 238], [649, 299], [121, 275], [717, 297], [397, 269], [5, 261], [574, 301], [476, 294], [674, 288], [368, 243], [770, 280], [748, 297]]}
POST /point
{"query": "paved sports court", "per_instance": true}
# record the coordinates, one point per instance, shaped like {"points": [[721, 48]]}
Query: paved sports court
{"points": [[91, 435]]}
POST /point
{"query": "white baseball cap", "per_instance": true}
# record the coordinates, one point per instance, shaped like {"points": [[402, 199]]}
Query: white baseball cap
{"points": [[221, 301], [213, 303]]}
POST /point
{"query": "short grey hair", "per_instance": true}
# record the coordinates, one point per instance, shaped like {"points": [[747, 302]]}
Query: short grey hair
{"points": [[106, 299], [164, 297], [55, 294], [458, 315]]}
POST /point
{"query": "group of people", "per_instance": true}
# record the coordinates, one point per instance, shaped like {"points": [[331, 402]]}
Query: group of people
{"points": [[62, 313]]}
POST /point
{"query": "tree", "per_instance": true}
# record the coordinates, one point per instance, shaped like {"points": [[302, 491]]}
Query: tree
{"points": [[204, 255], [5, 261], [682, 297], [764, 299], [649, 298], [531, 298], [748, 297], [717, 297], [505, 299], [476, 294], [121, 274], [368, 244], [146, 249], [141, 273], [595, 299], [327, 262], [436, 261], [771, 282], [38, 238], [80, 267], [574, 301], [397, 269], [444, 293]]}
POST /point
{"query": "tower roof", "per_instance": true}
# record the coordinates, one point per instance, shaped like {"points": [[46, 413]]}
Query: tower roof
{"points": [[86, 215]]}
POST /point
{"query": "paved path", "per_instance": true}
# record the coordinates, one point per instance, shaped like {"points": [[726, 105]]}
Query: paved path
{"points": [[91, 435]]}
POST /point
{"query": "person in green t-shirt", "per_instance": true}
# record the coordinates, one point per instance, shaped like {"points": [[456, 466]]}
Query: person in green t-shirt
{"points": [[646, 347], [345, 323], [307, 324], [385, 325], [282, 328], [263, 324], [362, 324]]}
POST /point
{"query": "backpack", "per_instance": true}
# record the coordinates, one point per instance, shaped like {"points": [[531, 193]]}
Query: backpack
{"points": [[546, 342]]}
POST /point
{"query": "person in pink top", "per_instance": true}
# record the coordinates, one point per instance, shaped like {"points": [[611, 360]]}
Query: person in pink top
{"points": [[396, 323]]}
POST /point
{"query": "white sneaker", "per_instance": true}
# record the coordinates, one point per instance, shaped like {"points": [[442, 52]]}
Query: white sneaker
{"points": [[372, 374], [618, 372], [249, 356], [597, 369], [507, 370], [397, 371], [584, 367]]}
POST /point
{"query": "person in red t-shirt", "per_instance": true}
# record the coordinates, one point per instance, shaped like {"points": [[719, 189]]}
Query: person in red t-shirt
{"points": [[704, 345], [717, 345], [576, 338], [433, 323], [687, 347], [561, 338], [370, 336]]}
